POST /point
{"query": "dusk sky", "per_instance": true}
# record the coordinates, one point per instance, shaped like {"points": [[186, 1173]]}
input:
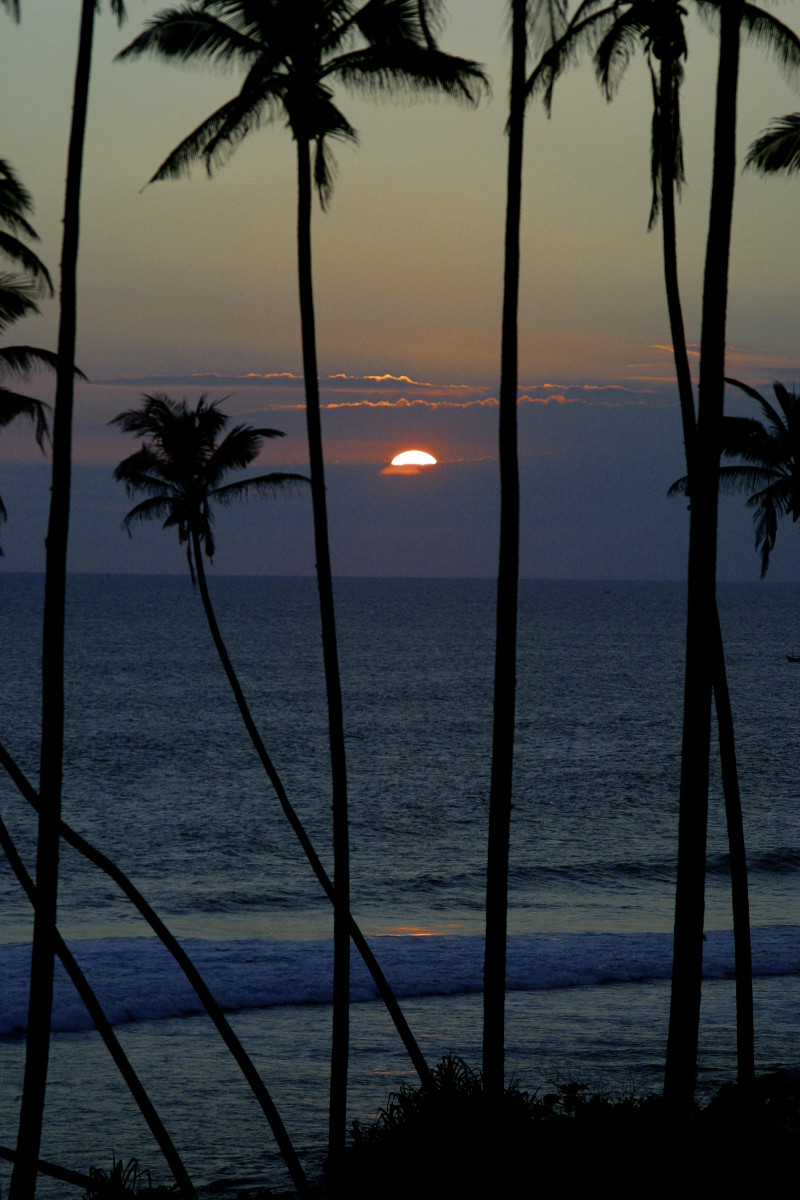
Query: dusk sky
{"points": [[190, 286]]}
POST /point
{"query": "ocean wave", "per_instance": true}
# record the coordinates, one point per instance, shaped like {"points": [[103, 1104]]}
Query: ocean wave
{"points": [[136, 980]]}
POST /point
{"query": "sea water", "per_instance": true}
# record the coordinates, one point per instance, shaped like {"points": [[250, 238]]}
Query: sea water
{"points": [[160, 775]]}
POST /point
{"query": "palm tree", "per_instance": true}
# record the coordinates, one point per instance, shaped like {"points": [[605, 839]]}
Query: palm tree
{"points": [[614, 32], [660, 30], [293, 56], [19, 292], [23, 1180], [687, 968], [540, 22], [168, 426], [180, 467], [769, 468]]}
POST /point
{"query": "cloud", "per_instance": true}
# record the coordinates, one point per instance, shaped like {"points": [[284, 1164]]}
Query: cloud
{"points": [[403, 402], [281, 391]]}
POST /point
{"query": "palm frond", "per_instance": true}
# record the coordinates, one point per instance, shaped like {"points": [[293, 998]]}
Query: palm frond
{"points": [[777, 148], [405, 67], [547, 23], [188, 34], [779, 41], [677, 175], [152, 509], [22, 360], [680, 487], [740, 435], [260, 485], [240, 446], [765, 529], [385, 22], [15, 202], [742, 478], [431, 19], [17, 299], [615, 50], [584, 32], [775, 419], [21, 254], [14, 404], [180, 161]]}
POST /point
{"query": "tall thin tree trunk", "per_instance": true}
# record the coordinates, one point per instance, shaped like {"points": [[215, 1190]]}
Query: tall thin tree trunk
{"points": [[359, 941], [340, 1040], [740, 902], [23, 1179], [687, 969], [180, 956], [494, 971], [745, 1035], [103, 1026]]}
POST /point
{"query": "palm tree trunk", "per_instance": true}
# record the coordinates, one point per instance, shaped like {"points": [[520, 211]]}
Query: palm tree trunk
{"points": [[103, 1027], [740, 902], [174, 947], [359, 941], [745, 1034], [340, 1039], [23, 1180], [681, 1063], [494, 971]]}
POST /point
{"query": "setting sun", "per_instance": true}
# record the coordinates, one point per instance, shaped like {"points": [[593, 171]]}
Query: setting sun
{"points": [[413, 458]]}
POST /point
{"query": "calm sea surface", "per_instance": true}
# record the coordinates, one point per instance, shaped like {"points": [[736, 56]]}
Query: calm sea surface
{"points": [[160, 775]]}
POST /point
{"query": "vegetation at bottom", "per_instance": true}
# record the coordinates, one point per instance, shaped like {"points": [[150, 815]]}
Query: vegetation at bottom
{"points": [[449, 1138], [124, 1180]]}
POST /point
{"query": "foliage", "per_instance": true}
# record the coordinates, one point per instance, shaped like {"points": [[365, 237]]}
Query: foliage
{"points": [[446, 1138], [769, 468], [777, 148], [449, 1137], [292, 56], [123, 1181], [20, 290], [182, 462]]}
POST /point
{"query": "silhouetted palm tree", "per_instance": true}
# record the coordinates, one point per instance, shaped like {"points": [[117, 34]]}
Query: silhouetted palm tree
{"points": [[19, 292], [181, 465], [537, 21], [614, 32], [769, 470], [659, 29], [293, 55], [201, 989], [23, 1180], [161, 423], [687, 960]]}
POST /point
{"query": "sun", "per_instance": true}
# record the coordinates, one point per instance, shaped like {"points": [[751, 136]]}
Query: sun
{"points": [[413, 458], [409, 463]]}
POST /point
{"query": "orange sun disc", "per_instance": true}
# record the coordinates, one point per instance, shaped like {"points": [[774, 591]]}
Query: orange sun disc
{"points": [[413, 458]]}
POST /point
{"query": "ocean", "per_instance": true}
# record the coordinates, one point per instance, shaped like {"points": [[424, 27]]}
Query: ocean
{"points": [[160, 775]]}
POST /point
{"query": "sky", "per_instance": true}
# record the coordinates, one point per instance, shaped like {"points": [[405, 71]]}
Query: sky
{"points": [[189, 287]]}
